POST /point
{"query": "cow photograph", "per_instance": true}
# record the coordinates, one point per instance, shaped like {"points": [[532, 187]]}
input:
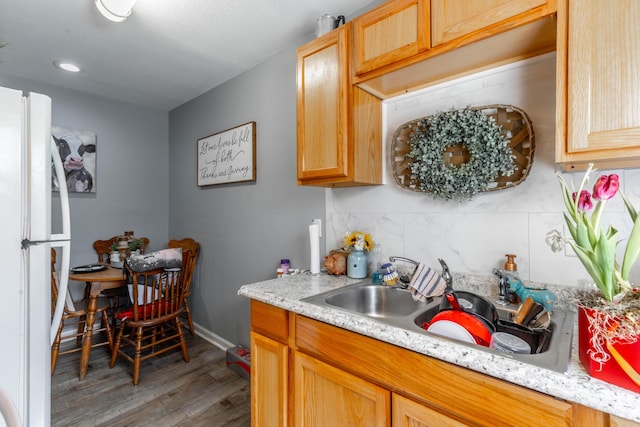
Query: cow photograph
{"points": [[78, 152]]}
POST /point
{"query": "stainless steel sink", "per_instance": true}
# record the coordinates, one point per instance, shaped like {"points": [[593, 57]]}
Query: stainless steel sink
{"points": [[375, 301], [397, 308]]}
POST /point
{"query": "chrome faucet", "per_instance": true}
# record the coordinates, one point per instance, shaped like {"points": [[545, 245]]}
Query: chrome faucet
{"points": [[403, 279], [503, 287]]}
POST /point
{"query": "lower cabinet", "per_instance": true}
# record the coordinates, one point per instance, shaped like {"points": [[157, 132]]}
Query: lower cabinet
{"points": [[308, 373], [269, 381], [407, 413], [327, 396]]}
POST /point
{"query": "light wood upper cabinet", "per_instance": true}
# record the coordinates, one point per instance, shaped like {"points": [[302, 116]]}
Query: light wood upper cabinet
{"points": [[456, 18], [339, 127], [467, 36], [598, 88], [393, 31], [327, 396]]}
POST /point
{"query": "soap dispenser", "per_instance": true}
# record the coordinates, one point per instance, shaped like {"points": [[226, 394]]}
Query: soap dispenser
{"points": [[510, 265], [511, 271]]}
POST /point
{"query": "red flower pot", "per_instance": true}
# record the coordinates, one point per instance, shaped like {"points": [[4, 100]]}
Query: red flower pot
{"points": [[616, 363]]}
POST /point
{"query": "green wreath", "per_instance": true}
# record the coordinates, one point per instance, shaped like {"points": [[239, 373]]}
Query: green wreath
{"points": [[489, 153]]}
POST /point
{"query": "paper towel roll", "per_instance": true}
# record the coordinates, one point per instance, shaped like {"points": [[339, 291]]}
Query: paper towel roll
{"points": [[314, 245]]}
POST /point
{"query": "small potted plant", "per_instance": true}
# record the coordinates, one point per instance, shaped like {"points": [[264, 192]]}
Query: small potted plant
{"points": [[608, 315], [135, 246]]}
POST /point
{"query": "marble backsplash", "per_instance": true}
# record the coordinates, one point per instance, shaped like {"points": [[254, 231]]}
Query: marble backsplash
{"points": [[474, 236]]}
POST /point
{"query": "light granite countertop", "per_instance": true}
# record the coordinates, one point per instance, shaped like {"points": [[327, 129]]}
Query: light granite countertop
{"points": [[574, 385]]}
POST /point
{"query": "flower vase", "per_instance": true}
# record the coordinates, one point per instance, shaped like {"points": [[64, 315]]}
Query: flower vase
{"points": [[357, 265], [614, 362]]}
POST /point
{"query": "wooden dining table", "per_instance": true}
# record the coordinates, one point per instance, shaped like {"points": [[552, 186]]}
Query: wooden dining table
{"points": [[98, 281]]}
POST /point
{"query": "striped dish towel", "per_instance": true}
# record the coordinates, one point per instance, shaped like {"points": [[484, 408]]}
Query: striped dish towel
{"points": [[425, 283]]}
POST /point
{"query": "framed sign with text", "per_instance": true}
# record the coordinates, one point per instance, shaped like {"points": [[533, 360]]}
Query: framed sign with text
{"points": [[227, 157]]}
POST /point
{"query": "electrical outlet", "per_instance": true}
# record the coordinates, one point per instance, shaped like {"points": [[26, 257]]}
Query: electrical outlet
{"points": [[319, 222]]}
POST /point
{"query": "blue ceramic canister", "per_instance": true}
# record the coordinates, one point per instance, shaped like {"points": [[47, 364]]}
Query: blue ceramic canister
{"points": [[357, 265]]}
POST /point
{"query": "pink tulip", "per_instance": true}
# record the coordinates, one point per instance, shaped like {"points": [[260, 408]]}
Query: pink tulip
{"points": [[606, 187], [584, 203]]}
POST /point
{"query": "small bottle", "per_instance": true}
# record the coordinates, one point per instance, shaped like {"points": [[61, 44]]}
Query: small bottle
{"points": [[510, 264], [511, 271], [284, 265], [279, 272]]}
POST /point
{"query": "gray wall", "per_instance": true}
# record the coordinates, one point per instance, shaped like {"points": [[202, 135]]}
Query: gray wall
{"points": [[132, 173], [245, 228]]}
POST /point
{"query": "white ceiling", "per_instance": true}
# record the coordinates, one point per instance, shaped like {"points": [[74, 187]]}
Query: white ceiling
{"points": [[166, 53]]}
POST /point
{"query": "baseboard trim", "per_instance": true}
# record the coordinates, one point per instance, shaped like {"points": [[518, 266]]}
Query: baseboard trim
{"points": [[214, 339]]}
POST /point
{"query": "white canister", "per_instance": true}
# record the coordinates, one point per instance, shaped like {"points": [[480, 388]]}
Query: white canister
{"points": [[327, 23]]}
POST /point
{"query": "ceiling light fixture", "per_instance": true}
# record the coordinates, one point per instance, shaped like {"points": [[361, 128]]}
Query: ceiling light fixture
{"points": [[115, 10], [67, 66]]}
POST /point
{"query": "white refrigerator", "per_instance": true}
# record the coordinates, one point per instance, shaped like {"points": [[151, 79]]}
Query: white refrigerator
{"points": [[26, 239]]}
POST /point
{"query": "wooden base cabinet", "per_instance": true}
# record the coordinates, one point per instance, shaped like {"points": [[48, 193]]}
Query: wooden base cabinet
{"points": [[598, 88], [269, 366], [327, 396], [308, 373], [407, 413], [269, 382]]}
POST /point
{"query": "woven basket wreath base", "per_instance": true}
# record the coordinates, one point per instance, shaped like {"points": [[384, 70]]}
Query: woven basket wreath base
{"points": [[516, 129]]}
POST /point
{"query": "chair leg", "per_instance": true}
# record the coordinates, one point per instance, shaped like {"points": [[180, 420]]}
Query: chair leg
{"points": [[183, 341], [82, 323], [116, 346], [189, 320], [136, 357], [107, 327], [55, 348]]}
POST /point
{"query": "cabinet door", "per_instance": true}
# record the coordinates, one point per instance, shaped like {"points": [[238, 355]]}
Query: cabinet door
{"points": [[269, 361], [621, 422], [325, 396], [323, 99], [451, 19], [598, 90], [407, 413], [394, 30]]}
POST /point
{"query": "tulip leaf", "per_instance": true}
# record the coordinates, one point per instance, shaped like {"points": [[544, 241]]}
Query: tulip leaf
{"points": [[596, 215], [571, 226], [632, 211], [582, 235], [568, 200], [593, 269], [605, 258], [632, 250]]}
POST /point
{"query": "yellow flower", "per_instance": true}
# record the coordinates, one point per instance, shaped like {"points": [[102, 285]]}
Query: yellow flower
{"points": [[358, 240]]}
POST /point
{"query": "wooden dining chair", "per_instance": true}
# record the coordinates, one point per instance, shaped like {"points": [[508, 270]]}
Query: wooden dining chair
{"points": [[152, 325], [103, 248], [117, 297], [187, 244], [75, 316]]}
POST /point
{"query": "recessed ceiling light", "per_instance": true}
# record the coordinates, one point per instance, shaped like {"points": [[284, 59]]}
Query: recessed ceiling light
{"points": [[115, 10], [67, 66]]}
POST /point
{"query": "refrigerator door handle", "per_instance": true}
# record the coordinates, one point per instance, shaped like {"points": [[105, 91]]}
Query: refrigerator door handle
{"points": [[63, 241], [63, 287], [64, 195]]}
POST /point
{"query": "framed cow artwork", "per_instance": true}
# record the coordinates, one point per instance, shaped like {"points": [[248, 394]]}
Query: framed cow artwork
{"points": [[78, 150]]}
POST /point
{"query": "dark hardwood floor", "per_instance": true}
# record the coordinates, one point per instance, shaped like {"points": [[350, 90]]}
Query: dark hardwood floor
{"points": [[203, 392]]}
